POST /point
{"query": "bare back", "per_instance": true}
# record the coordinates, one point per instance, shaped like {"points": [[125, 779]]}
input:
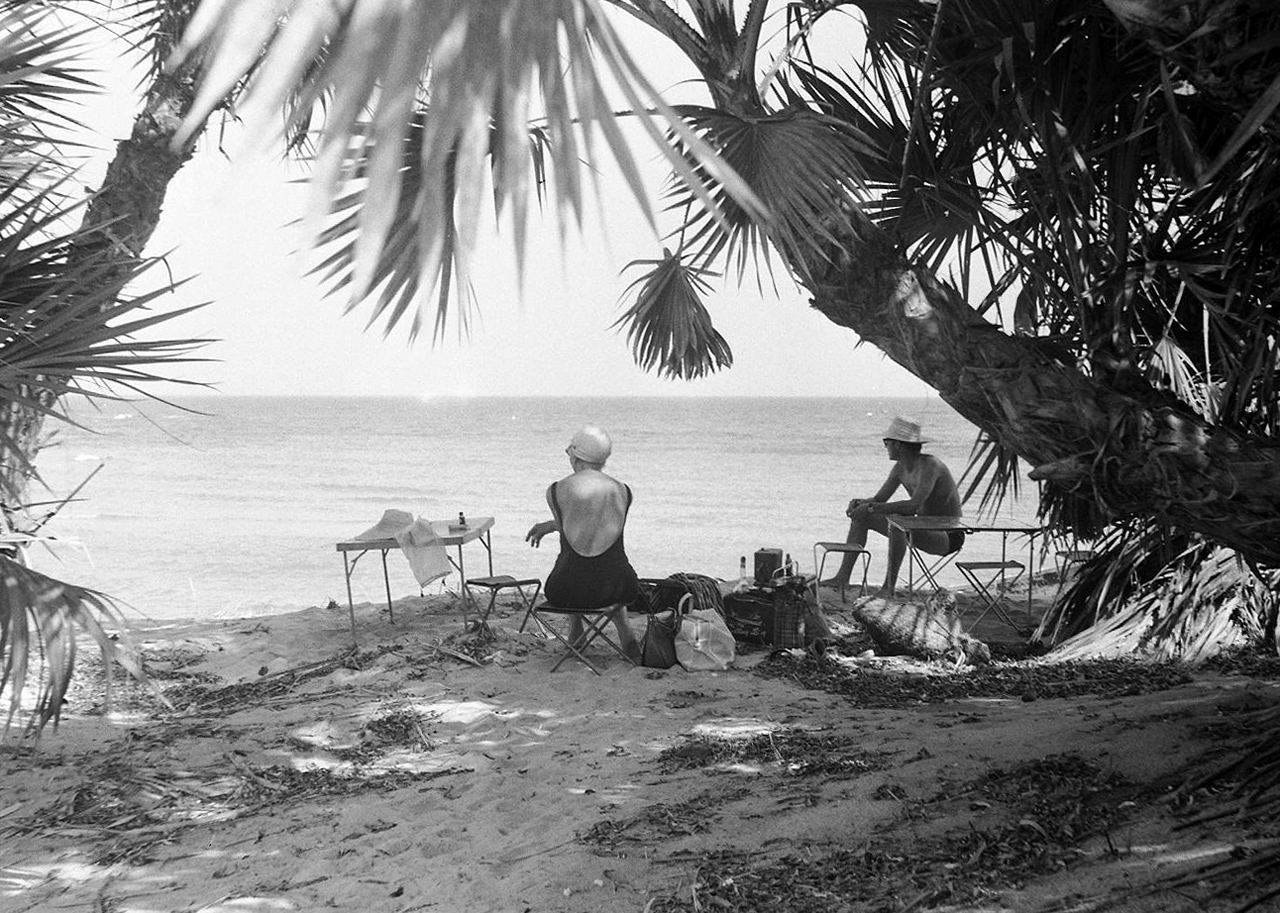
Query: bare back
{"points": [[591, 510], [930, 484]]}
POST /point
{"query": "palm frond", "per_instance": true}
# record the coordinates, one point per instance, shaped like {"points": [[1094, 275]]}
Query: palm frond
{"points": [[994, 470], [40, 85], [1171, 595], [803, 166], [483, 68], [668, 326], [41, 614], [66, 323]]}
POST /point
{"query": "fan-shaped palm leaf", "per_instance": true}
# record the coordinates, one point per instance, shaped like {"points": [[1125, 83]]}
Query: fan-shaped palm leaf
{"points": [[487, 70], [40, 613], [803, 166], [668, 326]]}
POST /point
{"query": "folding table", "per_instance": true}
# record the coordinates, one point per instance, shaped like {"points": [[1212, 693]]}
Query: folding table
{"points": [[974, 570], [477, 530]]}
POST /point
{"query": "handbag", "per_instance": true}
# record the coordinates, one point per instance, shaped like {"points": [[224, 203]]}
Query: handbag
{"points": [[703, 643], [658, 650]]}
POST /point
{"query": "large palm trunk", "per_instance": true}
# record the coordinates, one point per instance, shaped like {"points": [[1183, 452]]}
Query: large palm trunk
{"points": [[1114, 445], [1132, 449]]}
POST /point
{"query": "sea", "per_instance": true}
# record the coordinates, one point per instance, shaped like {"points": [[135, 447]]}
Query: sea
{"points": [[218, 507]]}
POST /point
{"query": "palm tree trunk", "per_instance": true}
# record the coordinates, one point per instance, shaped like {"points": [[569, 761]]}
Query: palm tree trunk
{"points": [[119, 222], [1133, 449]]}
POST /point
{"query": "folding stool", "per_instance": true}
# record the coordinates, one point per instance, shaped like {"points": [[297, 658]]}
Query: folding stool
{"points": [[495, 585], [593, 621], [988, 579], [842, 548]]}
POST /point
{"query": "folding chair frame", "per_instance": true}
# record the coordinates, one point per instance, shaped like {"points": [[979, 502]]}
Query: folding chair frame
{"points": [[594, 621], [930, 567], [976, 572], [496, 585], [844, 548]]}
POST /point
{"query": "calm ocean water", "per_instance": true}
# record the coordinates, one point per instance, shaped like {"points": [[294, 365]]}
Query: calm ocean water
{"points": [[235, 509]]}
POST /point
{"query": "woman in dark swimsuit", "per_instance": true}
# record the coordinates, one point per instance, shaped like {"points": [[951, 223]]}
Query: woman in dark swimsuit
{"points": [[589, 511], [581, 582]]}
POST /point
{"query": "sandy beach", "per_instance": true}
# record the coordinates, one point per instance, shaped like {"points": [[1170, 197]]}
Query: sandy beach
{"points": [[433, 769]]}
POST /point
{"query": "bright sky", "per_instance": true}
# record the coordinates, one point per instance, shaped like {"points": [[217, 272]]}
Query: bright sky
{"points": [[225, 223]]}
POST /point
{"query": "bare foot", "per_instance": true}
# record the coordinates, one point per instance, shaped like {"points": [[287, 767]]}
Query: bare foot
{"points": [[834, 583]]}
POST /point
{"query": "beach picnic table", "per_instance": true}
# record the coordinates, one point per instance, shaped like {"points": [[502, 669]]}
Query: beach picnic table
{"points": [[477, 530]]}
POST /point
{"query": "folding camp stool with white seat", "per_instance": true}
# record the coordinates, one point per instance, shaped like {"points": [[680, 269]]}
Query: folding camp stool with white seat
{"points": [[496, 585], [593, 623], [843, 548], [989, 580]]}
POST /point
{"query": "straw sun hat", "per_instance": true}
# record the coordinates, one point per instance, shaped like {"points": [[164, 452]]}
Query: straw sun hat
{"points": [[905, 430]]}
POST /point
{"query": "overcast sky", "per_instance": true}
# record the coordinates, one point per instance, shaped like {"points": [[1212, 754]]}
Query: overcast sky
{"points": [[225, 224]]}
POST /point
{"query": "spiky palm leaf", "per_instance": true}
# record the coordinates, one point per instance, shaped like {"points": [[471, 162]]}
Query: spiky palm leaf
{"points": [[66, 326], [484, 70], [1175, 596], [804, 166], [668, 326], [39, 613]]}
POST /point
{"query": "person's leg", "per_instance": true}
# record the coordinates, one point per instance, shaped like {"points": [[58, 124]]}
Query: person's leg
{"points": [[897, 550], [626, 637]]}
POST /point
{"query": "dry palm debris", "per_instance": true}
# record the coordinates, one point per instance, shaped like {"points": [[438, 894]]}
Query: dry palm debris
{"points": [[1245, 789], [1049, 808], [1248, 661], [200, 698], [661, 821], [1028, 680], [126, 810], [794, 752], [403, 728]]}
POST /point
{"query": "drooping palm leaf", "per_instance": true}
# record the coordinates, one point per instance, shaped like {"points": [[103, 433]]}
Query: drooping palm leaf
{"points": [[67, 326], [41, 614], [668, 326], [485, 71]]}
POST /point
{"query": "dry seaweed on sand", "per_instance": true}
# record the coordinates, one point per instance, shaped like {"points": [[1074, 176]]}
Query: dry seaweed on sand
{"points": [[793, 752], [871, 687], [127, 810], [660, 821], [1245, 789], [1040, 815], [197, 697]]}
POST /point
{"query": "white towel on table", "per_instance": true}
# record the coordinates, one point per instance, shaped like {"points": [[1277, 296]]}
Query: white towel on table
{"points": [[424, 549]]}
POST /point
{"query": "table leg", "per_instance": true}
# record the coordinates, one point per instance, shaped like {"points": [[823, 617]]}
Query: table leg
{"points": [[1031, 577], [386, 581], [911, 563], [464, 593], [351, 606]]}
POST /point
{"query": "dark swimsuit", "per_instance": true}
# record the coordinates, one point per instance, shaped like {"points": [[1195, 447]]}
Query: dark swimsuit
{"points": [[578, 582], [955, 539]]}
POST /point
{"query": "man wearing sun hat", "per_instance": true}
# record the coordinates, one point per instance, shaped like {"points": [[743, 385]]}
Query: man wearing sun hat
{"points": [[589, 510], [931, 491]]}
